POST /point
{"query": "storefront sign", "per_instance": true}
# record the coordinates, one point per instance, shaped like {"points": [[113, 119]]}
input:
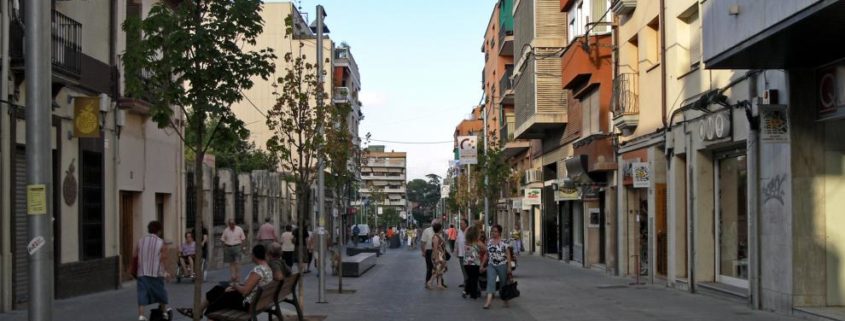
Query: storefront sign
{"points": [[774, 124], [86, 117], [715, 126], [532, 196], [468, 149], [567, 194], [640, 175], [831, 84]]}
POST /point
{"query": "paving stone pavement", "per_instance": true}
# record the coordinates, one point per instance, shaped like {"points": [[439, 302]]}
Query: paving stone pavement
{"points": [[394, 290]]}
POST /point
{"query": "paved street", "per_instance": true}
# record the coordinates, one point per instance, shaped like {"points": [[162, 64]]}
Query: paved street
{"points": [[393, 290]]}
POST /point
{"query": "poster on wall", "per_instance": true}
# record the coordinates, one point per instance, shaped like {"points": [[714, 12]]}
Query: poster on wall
{"points": [[640, 174], [774, 124], [532, 196], [595, 217]]}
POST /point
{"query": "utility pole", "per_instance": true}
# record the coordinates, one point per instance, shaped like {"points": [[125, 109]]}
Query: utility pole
{"points": [[5, 169], [469, 191], [486, 199], [321, 176], [39, 172]]}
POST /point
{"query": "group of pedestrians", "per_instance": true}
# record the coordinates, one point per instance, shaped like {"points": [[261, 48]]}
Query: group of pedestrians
{"points": [[273, 257], [480, 258]]}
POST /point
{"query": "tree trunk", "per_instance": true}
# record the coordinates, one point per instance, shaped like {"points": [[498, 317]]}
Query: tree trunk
{"points": [[198, 178]]}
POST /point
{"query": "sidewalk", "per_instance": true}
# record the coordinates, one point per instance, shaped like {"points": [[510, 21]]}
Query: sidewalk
{"points": [[393, 290]]}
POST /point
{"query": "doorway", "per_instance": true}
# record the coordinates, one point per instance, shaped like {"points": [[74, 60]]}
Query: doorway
{"points": [[732, 219], [127, 232]]}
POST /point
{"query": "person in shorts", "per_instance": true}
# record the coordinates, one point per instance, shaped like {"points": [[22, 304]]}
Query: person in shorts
{"points": [[233, 238], [151, 256]]}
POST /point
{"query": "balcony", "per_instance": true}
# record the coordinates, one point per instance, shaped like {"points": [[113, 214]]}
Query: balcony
{"points": [[625, 105], [342, 95], [533, 124], [623, 7], [506, 87], [506, 40], [343, 59], [511, 147], [66, 48], [598, 149]]}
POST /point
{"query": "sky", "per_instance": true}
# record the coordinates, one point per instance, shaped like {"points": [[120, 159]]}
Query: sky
{"points": [[420, 63]]}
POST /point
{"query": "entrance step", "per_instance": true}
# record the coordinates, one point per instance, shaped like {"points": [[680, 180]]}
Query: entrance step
{"points": [[724, 291], [820, 313]]}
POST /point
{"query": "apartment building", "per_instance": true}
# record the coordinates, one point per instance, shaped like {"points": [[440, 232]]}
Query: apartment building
{"points": [[109, 181], [384, 180], [585, 197], [794, 150], [498, 96], [540, 108], [347, 85]]}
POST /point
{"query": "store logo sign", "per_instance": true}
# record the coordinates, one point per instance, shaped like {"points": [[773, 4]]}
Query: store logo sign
{"points": [[715, 126]]}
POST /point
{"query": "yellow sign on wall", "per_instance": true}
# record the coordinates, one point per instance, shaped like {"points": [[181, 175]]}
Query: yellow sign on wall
{"points": [[86, 118]]}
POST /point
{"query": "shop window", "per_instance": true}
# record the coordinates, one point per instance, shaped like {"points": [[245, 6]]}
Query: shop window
{"points": [[733, 220]]}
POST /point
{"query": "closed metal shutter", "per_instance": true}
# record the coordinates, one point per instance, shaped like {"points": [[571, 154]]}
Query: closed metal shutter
{"points": [[21, 232]]}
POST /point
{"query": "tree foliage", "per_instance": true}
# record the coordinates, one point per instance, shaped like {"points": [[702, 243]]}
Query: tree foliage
{"points": [[189, 57], [426, 195]]}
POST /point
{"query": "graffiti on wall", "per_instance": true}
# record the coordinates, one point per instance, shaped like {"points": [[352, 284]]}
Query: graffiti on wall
{"points": [[774, 189]]}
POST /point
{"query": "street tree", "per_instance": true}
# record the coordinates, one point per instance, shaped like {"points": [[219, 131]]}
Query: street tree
{"points": [[188, 56], [494, 175], [426, 194], [300, 125]]}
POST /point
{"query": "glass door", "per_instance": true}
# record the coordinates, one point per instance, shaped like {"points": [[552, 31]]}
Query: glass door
{"points": [[732, 220]]}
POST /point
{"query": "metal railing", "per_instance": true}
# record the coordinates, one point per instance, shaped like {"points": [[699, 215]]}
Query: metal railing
{"points": [[626, 95], [342, 93], [504, 31], [505, 83], [66, 48]]}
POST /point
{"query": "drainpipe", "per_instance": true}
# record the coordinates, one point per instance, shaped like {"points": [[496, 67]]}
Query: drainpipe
{"points": [[753, 152], [5, 173], [691, 211], [663, 63]]}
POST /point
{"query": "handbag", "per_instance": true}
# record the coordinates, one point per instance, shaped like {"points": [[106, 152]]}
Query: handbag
{"points": [[509, 291]]}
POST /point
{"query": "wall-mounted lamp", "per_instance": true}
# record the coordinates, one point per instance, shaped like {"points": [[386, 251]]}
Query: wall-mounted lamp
{"points": [[119, 121], [105, 102]]}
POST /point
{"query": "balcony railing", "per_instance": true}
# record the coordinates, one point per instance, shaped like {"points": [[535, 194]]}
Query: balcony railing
{"points": [[505, 44], [625, 106], [342, 94], [65, 44], [625, 95], [505, 83]]}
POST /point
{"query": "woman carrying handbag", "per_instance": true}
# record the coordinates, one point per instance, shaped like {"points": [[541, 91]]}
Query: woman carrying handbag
{"points": [[498, 263]]}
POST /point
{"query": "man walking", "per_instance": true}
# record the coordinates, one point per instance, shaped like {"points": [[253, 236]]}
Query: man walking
{"points": [[151, 256], [355, 231], [425, 246], [267, 233], [460, 242], [452, 233], [233, 238]]}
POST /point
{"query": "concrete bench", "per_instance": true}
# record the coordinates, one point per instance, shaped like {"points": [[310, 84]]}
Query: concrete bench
{"points": [[357, 264], [352, 251]]}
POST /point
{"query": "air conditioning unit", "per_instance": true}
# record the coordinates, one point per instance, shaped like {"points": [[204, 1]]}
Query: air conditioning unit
{"points": [[533, 176]]}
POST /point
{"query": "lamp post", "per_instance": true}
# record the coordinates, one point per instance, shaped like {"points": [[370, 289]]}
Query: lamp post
{"points": [[321, 179]]}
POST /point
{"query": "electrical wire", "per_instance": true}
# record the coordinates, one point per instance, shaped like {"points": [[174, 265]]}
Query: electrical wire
{"points": [[413, 143]]}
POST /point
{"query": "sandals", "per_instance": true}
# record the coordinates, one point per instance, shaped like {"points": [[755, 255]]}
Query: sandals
{"points": [[188, 312]]}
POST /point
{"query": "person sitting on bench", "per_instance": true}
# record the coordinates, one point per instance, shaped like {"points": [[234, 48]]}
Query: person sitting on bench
{"points": [[237, 296], [186, 255]]}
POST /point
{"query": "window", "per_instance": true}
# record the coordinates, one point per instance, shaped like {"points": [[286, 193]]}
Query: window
{"points": [[694, 37], [590, 113], [652, 45], [585, 11]]}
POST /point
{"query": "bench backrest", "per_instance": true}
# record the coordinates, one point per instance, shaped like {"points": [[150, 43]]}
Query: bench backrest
{"points": [[288, 286], [265, 296]]}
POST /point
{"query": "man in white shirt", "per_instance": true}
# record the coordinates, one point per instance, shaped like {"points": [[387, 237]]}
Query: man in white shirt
{"points": [[460, 242], [425, 246], [377, 242], [233, 238]]}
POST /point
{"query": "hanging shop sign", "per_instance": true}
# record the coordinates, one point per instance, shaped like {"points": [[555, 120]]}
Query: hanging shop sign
{"points": [[715, 126], [444, 191], [565, 190], [831, 95], [640, 175], [86, 117], [774, 124], [468, 149], [532, 196]]}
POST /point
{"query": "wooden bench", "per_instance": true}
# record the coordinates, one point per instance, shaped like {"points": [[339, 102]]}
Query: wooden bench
{"points": [[269, 297], [351, 251], [357, 264]]}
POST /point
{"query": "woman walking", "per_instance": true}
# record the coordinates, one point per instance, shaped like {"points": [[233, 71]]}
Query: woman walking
{"points": [[475, 252], [498, 263], [438, 247]]}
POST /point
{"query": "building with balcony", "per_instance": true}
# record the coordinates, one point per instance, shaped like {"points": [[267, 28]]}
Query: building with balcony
{"points": [[585, 195], [105, 190], [384, 179], [793, 203], [540, 104]]}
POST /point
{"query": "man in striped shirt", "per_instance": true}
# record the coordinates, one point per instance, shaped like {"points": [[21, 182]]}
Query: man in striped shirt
{"points": [[152, 256]]}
